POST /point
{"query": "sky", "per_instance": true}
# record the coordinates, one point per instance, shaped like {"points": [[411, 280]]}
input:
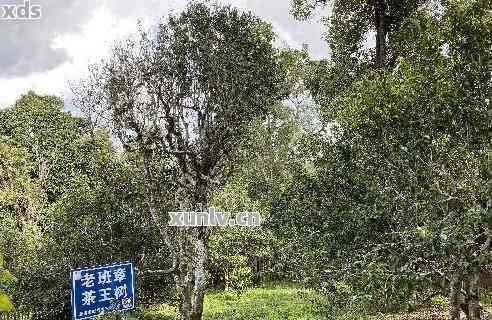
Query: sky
{"points": [[48, 53]]}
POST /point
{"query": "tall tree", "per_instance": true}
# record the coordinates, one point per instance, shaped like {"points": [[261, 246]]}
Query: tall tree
{"points": [[188, 91], [411, 209]]}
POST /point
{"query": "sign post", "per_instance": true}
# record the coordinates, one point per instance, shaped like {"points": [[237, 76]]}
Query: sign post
{"points": [[102, 289]]}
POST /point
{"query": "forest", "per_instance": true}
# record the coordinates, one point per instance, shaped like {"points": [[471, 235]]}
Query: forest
{"points": [[370, 169]]}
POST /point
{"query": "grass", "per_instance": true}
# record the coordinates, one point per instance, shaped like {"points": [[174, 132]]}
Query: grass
{"points": [[291, 302], [275, 302]]}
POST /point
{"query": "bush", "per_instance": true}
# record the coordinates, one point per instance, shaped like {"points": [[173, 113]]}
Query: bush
{"points": [[241, 278]]}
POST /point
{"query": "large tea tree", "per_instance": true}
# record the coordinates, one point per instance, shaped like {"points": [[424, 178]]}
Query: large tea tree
{"points": [[406, 207], [188, 91]]}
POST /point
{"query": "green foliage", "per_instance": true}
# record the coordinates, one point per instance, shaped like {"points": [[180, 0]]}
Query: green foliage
{"points": [[38, 124], [226, 48], [398, 197], [18, 193], [6, 279], [239, 257], [242, 275], [373, 206], [93, 212], [217, 53], [261, 177], [350, 24]]}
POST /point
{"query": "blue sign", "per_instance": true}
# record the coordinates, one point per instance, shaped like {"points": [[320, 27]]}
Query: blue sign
{"points": [[103, 289]]}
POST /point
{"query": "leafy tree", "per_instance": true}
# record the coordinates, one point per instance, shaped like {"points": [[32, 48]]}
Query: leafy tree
{"points": [[189, 92], [20, 201], [400, 193], [38, 124], [67, 203]]}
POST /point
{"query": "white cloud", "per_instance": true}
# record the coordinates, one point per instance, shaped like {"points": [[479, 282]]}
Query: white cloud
{"points": [[115, 19], [88, 46]]}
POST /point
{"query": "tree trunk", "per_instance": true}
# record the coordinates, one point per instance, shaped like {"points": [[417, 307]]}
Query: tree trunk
{"points": [[380, 15], [199, 285], [194, 252], [454, 297], [191, 283], [464, 295], [183, 278], [474, 296]]}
